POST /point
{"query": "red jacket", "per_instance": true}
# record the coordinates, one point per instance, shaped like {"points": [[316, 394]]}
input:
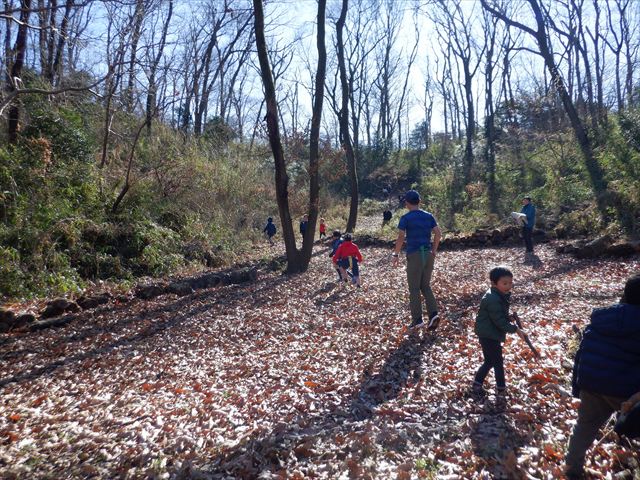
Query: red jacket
{"points": [[347, 249], [323, 228]]}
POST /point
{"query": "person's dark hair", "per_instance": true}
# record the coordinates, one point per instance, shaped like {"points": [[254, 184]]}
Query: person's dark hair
{"points": [[336, 233], [269, 219], [498, 272], [632, 290], [527, 197], [347, 237], [412, 197]]}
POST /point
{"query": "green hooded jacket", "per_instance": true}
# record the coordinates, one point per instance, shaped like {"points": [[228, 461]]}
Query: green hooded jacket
{"points": [[493, 316]]}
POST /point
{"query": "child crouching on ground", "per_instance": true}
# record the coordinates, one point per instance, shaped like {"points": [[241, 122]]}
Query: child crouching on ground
{"points": [[348, 256], [492, 325]]}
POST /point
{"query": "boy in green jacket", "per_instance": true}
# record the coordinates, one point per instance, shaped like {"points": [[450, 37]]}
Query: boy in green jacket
{"points": [[492, 325]]}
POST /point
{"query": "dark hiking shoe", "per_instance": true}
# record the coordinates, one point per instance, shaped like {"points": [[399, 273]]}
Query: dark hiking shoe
{"points": [[434, 321], [477, 393], [417, 323]]}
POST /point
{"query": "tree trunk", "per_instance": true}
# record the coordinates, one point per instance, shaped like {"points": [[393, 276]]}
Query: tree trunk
{"points": [[20, 50], [343, 117], [294, 256], [596, 174]]}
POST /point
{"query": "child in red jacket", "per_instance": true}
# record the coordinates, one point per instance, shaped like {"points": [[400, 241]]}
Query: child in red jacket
{"points": [[348, 256]]}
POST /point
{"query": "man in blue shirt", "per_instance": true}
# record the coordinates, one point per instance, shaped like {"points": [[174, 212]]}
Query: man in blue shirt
{"points": [[527, 230], [416, 227]]}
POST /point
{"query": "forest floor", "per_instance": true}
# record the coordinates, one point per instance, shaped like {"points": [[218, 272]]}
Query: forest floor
{"points": [[297, 377]]}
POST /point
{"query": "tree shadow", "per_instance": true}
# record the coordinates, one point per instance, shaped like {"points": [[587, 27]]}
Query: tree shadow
{"points": [[341, 425], [402, 366], [172, 313], [533, 261], [495, 438]]}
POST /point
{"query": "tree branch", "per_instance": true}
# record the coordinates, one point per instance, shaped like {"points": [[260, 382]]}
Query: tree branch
{"points": [[506, 19]]}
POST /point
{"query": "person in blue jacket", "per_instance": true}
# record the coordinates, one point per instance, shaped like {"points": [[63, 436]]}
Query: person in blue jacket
{"points": [[270, 229], [529, 210], [606, 371]]}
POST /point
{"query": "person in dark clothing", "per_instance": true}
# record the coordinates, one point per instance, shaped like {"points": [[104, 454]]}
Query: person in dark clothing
{"points": [[335, 243], [386, 217], [492, 325], [303, 225], [606, 371], [527, 229], [270, 229]]}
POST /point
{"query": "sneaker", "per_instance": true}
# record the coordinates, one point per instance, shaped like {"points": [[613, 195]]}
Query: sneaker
{"points": [[477, 392], [434, 321], [417, 323], [501, 396]]}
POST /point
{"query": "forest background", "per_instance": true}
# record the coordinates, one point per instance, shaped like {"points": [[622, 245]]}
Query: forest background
{"points": [[134, 139]]}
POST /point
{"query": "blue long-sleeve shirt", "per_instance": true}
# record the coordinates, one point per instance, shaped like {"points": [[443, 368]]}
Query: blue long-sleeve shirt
{"points": [[530, 211]]}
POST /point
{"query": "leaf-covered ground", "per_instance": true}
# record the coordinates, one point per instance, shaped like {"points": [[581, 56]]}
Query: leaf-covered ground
{"points": [[294, 377]]}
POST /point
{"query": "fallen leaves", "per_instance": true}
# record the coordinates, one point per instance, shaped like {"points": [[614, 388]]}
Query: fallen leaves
{"points": [[286, 379]]}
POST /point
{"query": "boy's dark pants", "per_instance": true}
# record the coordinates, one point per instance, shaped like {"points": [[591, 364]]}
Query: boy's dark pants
{"points": [[419, 270], [595, 409], [527, 233], [492, 353]]}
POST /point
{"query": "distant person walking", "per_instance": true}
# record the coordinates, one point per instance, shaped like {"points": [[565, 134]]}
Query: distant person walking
{"points": [[323, 229], [386, 217], [270, 230], [417, 226], [303, 225], [529, 210]]}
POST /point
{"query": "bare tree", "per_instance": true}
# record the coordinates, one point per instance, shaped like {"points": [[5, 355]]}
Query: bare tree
{"points": [[297, 260], [14, 74], [540, 34], [152, 91], [457, 27], [490, 31], [343, 118]]}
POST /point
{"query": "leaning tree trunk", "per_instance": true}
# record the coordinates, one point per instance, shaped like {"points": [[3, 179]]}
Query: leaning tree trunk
{"points": [[273, 129], [596, 174]]}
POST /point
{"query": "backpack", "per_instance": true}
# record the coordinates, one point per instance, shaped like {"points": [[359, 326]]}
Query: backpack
{"points": [[271, 229]]}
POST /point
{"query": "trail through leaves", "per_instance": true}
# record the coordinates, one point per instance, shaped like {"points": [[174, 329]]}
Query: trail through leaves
{"points": [[298, 377]]}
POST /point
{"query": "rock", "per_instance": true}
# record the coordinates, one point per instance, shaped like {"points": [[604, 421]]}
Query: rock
{"points": [[87, 303], [7, 320], [55, 322], [123, 299], [205, 281], [621, 249], [6, 315], [147, 292], [595, 248], [24, 319], [180, 288], [58, 307], [244, 275]]}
